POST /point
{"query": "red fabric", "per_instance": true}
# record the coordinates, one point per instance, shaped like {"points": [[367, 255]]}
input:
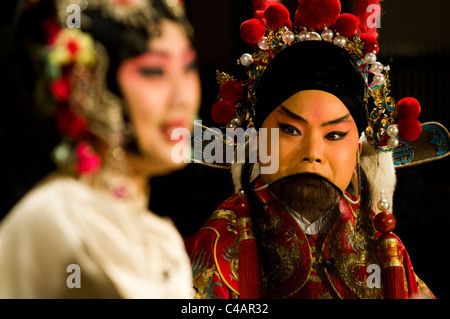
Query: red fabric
{"points": [[305, 279]]}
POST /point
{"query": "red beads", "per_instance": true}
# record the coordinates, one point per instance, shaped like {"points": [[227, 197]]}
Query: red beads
{"points": [[384, 222]]}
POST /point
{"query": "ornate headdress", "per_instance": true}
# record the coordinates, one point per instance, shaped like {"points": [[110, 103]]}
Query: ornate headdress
{"points": [[391, 133], [271, 31], [84, 40]]}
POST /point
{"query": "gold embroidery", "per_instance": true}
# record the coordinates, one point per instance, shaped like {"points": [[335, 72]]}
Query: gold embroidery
{"points": [[424, 291], [229, 215], [362, 246], [202, 284]]}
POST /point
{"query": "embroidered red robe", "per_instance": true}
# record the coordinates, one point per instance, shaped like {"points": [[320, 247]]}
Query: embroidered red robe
{"points": [[341, 263]]}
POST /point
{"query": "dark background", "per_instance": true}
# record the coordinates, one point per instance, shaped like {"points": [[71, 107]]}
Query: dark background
{"points": [[414, 40]]}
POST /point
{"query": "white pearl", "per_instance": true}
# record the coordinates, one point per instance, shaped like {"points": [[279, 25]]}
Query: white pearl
{"points": [[393, 142], [327, 35], [383, 205], [231, 125], [304, 36], [246, 59], [263, 45], [236, 121], [392, 130], [340, 41], [370, 58], [378, 79], [377, 68], [314, 36], [288, 37]]}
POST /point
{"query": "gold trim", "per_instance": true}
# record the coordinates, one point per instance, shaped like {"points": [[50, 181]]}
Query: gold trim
{"points": [[215, 258], [429, 159], [245, 229], [390, 250]]}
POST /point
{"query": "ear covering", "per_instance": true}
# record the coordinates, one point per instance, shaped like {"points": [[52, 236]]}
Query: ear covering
{"points": [[380, 171]]}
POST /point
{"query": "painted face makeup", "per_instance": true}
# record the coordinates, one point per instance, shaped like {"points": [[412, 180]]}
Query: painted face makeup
{"points": [[162, 92], [317, 135]]}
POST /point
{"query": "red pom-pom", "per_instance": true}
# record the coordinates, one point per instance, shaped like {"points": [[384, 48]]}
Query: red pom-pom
{"points": [[317, 14], [346, 24], [277, 15], [409, 129], [60, 89], [222, 112], [252, 31], [232, 91], [370, 43], [408, 107], [384, 222]]}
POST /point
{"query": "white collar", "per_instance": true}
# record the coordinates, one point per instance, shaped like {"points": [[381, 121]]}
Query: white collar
{"points": [[319, 226]]}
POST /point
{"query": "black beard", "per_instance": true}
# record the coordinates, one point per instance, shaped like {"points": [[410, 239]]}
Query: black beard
{"points": [[309, 195]]}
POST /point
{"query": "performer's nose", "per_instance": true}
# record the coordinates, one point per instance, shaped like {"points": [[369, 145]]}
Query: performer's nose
{"points": [[311, 150], [311, 159]]}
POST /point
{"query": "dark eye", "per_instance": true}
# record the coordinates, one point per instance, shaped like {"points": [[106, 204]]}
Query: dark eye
{"points": [[336, 136], [289, 129], [151, 71]]}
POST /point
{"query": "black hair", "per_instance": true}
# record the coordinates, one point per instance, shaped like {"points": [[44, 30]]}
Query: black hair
{"points": [[121, 42]]}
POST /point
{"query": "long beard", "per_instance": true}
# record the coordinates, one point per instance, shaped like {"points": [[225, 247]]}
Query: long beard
{"points": [[309, 195]]}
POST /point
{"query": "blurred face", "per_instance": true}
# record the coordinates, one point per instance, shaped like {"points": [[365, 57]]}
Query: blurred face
{"points": [[317, 135], [162, 92]]}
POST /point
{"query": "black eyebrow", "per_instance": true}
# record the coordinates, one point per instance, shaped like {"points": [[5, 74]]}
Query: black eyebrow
{"points": [[292, 115], [336, 121], [301, 119]]}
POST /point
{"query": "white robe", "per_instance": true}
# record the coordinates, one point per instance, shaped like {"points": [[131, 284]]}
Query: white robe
{"points": [[122, 249]]}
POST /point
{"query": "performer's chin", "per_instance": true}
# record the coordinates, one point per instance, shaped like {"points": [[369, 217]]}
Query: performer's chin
{"points": [[308, 194]]}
